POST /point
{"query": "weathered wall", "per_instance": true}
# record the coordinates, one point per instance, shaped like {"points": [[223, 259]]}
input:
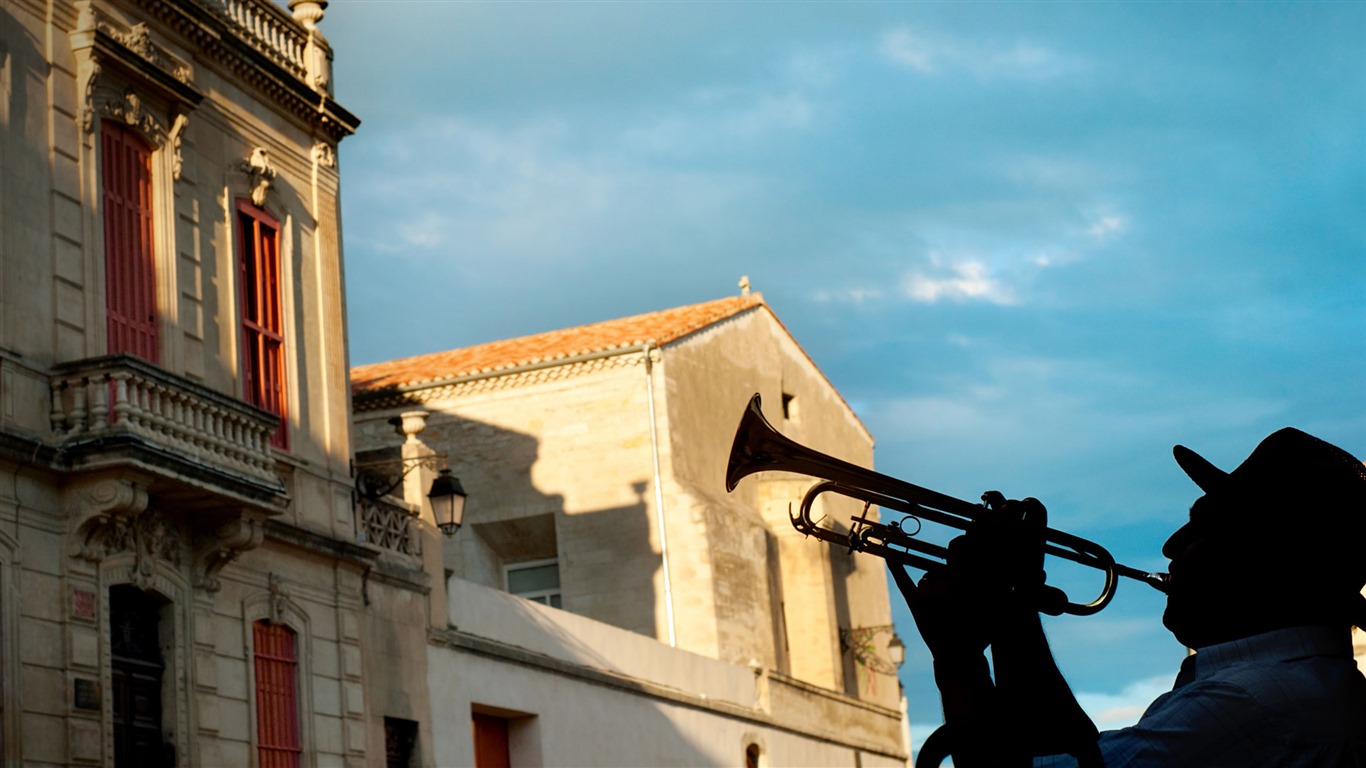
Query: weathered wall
{"points": [[554, 468], [70, 529]]}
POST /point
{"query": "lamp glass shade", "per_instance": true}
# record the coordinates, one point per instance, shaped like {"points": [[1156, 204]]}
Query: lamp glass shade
{"points": [[896, 650], [448, 502]]}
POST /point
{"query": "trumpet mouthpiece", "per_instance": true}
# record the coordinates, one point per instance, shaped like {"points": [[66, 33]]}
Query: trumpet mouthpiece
{"points": [[1157, 581]]}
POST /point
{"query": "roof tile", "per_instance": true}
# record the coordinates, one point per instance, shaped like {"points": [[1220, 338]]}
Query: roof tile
{"points": [[658, 328]]}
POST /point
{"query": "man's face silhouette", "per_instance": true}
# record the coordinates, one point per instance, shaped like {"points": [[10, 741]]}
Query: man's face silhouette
{"points": [[1212, 596]]}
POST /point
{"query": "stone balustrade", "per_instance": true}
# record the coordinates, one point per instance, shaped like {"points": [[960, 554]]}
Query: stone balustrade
{"points": [[277, 34], [123, 395], [389, 525]]}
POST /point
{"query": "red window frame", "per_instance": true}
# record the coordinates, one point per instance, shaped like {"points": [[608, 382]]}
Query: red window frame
{"points": [[129, 261], [263, 340], [277, 695]]}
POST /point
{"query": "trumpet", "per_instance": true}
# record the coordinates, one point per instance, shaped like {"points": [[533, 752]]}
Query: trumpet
{"points": [[759, 447]]}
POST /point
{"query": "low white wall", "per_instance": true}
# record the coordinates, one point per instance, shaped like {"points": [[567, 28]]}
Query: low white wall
{"points": [[499, 616], [581, 693]]}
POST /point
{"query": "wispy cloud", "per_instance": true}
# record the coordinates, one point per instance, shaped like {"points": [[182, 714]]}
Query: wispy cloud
{"points": [[956, 280], [931, 54]]}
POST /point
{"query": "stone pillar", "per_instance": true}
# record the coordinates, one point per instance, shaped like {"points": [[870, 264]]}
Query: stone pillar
{"points": [[415, 487]]}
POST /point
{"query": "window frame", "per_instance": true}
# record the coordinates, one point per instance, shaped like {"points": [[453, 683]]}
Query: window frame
{"points": [[534, 595], [129, 226], [271, 329], [265, 746]]}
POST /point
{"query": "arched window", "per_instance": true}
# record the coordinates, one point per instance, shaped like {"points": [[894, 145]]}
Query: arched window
{"points": [[277, 695], [752, 754]]}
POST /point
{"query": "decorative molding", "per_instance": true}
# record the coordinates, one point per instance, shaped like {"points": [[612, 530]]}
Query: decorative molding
{"points": [[138, 39], [510, 378], [259, 43], [147, 535], [260, 174], [129, 109], [222, 546], [324, 155], [279, 598], [182, 121], [92, 76]]}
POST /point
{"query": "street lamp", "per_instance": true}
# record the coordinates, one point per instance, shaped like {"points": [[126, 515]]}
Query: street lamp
{"points": [[446, 495], [448, 502]]}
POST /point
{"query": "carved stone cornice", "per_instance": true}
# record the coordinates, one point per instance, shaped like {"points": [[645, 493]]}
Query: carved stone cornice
{"points": [[102, 44], [204, 24], [508, 378]]}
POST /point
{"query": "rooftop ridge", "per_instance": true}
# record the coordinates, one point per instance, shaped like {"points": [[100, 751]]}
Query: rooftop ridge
{"points": [[658, 328]]}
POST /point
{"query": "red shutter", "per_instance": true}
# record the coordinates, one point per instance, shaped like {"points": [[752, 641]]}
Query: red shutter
{"points": [[277, 698], [491, 742], [263, 341], [129, 269]]}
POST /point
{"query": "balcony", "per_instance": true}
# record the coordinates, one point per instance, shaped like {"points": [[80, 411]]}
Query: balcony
{"points": [[389, 525], [197, 446]]}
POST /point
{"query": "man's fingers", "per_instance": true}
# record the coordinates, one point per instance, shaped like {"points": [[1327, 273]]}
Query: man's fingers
{"points": [[1033, 513], [903, 580]]}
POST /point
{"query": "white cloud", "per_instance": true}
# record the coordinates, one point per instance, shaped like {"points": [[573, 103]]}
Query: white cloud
{"points": [[933, 55], [960, 280], [1106, 227]]}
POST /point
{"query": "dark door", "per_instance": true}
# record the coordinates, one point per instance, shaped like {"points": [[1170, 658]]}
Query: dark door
{"points": [[135, 651]]}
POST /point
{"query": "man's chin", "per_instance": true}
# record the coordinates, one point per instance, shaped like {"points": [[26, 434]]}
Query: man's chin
{"points": [[1180, 625]]}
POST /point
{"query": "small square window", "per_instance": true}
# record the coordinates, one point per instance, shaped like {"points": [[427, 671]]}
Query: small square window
{"points": [[789, 406], [537, 580]]}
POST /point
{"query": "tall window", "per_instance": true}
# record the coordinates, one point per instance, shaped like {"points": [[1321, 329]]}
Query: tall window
{"points": [[263, 341], [277, 698], [136, 668], [129, 269]]}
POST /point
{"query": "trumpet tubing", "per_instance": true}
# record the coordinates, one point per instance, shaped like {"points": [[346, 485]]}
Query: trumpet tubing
{"points": [[759, 447]]}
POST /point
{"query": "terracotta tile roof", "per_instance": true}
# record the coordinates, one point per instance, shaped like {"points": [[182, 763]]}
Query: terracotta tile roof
{"points": [[624, 333]]}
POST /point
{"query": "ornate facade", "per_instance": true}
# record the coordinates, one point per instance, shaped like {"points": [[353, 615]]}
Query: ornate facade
{"points": [[180, 582]]}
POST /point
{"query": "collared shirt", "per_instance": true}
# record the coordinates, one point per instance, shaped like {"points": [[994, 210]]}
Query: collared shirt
{"points": [[1290, 698]]}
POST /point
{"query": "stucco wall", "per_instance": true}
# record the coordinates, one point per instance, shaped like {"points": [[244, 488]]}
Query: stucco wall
{"points": [[577, 692]]}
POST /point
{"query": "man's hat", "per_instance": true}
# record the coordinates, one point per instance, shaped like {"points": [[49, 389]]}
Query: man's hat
{"points": [[1287, 464], [1309, 485]]}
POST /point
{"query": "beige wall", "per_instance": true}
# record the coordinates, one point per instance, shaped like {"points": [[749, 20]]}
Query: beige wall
{"points": [[168, 505], [559, 461]]}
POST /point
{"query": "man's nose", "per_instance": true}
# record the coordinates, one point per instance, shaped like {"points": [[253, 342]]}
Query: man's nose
{"points": [[1177, 542]]}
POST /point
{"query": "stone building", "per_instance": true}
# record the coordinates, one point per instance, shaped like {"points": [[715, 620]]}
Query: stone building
{"points": [[180, 582], [607, 602]]}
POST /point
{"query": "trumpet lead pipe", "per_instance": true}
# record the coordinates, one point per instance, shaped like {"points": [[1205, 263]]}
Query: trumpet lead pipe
{"points": [[1155, 579]]}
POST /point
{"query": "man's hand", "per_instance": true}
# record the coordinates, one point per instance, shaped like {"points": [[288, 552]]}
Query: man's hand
{"points": [[993, 572]]}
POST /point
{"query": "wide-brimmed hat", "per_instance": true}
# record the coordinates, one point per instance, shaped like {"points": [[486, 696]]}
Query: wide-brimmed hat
{"points": [[1296, 484]]}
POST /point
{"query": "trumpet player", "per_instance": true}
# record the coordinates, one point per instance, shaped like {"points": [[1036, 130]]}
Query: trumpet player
{"points": [[1272, 681]]}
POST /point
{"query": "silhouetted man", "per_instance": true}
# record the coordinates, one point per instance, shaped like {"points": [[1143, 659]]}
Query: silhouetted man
{"points": [[1266, 581]]}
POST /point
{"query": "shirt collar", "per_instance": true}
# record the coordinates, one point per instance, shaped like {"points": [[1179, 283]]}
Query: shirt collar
{"points": [[1278, 645]]}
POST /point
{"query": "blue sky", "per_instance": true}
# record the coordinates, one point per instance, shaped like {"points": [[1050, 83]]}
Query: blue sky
{"points": [[1034, 244]]}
